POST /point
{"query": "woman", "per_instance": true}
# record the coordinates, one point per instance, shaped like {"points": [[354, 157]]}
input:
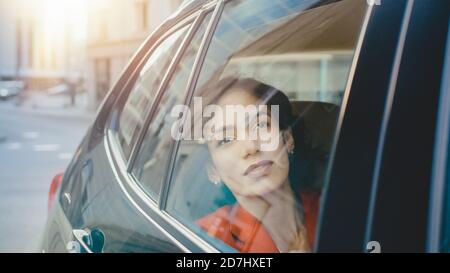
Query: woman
{"points": [[271, 214]]}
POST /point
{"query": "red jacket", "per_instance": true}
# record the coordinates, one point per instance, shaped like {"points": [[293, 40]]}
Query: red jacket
{"points": [[239, 229]]}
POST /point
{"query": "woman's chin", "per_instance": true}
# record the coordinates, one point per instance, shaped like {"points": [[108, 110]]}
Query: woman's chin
{"points": [[261, 188]]}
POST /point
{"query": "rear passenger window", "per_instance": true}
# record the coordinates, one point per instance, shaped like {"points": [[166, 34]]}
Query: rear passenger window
{"points": [[255, 141], [149, 167], [143, 93]]}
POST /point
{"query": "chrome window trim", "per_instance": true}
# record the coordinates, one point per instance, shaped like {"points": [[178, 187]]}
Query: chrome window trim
{"points": [[113, 137], [191, 19], [441, 156], [161, 90]]}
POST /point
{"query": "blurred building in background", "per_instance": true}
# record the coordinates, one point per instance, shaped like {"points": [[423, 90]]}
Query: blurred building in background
{"points": [[41, 41], [9, 51], [83, 43], [116, 28]]}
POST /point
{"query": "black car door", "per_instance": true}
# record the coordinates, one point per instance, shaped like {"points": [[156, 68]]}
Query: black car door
{"points": [[345, 207], [379, 194], [404, 197]]}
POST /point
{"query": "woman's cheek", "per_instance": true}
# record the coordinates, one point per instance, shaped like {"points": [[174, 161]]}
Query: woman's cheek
{"points": [[226, 163]]}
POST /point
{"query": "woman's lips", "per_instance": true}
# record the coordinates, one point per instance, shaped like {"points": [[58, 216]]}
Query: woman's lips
{"points": [[259, 169]]}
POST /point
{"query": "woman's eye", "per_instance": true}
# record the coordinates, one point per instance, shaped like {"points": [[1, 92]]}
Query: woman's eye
{"points": [[263, 125], [225, 141]]}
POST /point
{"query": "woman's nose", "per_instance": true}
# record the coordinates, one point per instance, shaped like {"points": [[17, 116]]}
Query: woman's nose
{"points": [[249, 148]]}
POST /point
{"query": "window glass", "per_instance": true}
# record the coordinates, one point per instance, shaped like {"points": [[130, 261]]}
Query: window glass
{"points": [[151, 161], [144, 90], [256, 138]]}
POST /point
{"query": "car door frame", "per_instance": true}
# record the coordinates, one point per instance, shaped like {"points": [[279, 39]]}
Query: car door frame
{"points": [[407, 192], [345, 202]]}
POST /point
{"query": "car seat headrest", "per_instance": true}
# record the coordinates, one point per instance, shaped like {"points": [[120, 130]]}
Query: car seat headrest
{"points": [[319, 121]]}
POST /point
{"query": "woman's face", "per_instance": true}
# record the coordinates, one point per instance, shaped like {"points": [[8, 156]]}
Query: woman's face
{"points": [[241, 164]]}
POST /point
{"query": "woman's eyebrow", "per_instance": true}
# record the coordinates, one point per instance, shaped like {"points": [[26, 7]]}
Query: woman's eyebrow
{"points": [[249, 120]]}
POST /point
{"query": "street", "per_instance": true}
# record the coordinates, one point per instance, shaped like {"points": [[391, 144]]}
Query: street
{"points": [[33, 149]]}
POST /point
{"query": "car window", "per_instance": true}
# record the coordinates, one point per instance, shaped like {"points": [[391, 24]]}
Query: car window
{"points": [[150, 164], [255, 141], [144, 91]]}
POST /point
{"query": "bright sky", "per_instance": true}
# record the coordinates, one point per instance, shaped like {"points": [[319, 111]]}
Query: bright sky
{"points": [[60, 24], [60, 14]]}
